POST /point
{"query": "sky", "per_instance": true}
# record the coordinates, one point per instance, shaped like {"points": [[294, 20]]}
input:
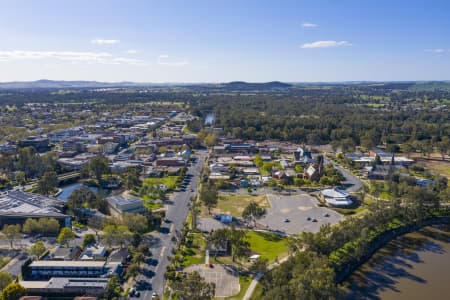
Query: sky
{"points": [[221, 41]]}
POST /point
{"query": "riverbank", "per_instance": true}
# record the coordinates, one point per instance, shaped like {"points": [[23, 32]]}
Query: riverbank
{"points": [[376, 243], [413, 266]]}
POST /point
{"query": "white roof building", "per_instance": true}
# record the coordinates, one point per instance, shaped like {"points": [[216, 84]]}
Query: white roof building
{"points": [[336, 197]]}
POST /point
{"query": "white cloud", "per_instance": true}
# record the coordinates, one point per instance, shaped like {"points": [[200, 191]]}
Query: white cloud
{"points": [[163, 60], [325, 44], [132, 51], [309, 25], [104, 41], [72, 56], [438, 50]]}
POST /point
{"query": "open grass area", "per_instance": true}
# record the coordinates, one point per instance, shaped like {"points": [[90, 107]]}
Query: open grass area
{"points": [[194, 252], [268, 245], [439, 167], [235, 204], [169, 181]]}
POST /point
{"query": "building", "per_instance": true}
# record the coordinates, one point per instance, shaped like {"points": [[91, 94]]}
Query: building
{"points": [[41, 144], [336, 198], [17, 206], [45, 269], [67, 287], [120, 204], [65, 253], [170, 162], [94, 252]]}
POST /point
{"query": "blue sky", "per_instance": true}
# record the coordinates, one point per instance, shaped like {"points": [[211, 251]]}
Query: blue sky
{"points": [[219, 41]]}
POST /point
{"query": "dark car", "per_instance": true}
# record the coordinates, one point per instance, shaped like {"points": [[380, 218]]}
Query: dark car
{"points": [[314, 220]]}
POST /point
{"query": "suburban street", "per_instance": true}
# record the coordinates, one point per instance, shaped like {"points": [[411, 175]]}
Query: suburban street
{"points": [[161, 244]]}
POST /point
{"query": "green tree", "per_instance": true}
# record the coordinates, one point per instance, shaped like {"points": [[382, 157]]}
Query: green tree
{"points": [[20, 177], [13, 291], [5, 280], [116, 235], [133, 270], [47, 183], [113, 288], [11, 233], [137, 223], [191, 286], [65, 236], [31, 226], [258, 161], [253, 212], [89, 239], [98, 166], [37, 249], [209, 195]]}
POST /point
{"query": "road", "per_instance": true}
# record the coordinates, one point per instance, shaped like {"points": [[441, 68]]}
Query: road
{"points": [[161, 244], [352, 183]]}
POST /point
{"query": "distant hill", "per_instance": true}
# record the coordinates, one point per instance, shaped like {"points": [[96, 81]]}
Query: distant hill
{"points": [[59, 84]]}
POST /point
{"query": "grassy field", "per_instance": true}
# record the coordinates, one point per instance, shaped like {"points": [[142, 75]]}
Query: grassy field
{"points": [[169, 181], [438, 167], [195, 252], [268, 245], [235, 204]]}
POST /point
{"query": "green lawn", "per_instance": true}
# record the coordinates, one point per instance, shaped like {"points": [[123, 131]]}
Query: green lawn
{"points": [[268, 245], [169, 181], [194, 253], [234, 204]]}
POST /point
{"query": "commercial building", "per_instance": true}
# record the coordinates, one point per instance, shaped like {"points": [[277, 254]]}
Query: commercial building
{"points": [[67, 287], [17, 206], [44, 269], [120, 204]]}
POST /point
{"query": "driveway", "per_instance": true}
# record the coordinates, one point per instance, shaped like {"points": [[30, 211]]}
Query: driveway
{"points": [[289, 214]]}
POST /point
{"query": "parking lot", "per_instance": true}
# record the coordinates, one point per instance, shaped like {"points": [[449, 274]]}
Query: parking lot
{"points": [[225, 277], [296, 213]]}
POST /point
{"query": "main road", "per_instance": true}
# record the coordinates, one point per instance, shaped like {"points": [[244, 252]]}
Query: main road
{"points": [[161, 243]]}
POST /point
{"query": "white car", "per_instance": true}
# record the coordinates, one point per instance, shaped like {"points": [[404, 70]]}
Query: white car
{"points": [[154, 295]]}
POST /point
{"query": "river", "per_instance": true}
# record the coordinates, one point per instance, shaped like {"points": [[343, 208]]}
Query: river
{"points": [[414, 266], [68, 189]]}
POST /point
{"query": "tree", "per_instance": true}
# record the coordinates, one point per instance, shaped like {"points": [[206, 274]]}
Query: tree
{"points": [[48, 226], [137, 223], [20, 177], [89, 239], [11, 233], [131, 178], [191, 286], [253, 212], [65, 236], [31, 226], [133, 270], [219, 238], [47, 183], [258, 161], [113, 288], [5, 280], [138, 258], [98, 166], [13, 291], [239, 246], [259, 265], [37, 249], [116, 235], [208, 195]]}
